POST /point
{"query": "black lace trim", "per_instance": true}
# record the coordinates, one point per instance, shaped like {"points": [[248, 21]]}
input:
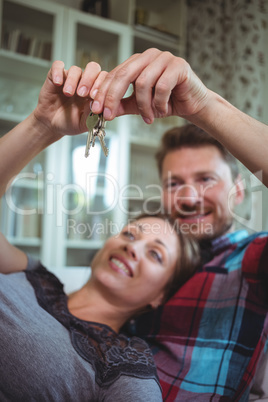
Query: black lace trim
{"points": [[109, 353]]}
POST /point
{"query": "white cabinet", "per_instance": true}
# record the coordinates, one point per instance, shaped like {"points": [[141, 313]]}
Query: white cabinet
{"points": [[155, 23], [63, 206], [31, 36]]}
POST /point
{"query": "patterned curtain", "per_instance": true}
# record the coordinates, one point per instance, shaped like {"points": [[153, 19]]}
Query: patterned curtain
{"points": [[226, 45], [226, 48]]}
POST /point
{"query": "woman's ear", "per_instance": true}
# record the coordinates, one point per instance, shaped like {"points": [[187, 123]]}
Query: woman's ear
{"points": [[157, 301]]}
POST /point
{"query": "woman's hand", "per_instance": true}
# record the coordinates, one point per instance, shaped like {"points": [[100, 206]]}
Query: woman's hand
{"points": [[63, 106], [64, 100], [163, 84]]}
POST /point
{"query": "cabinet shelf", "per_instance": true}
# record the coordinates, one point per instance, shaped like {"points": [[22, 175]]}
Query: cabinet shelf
{"points": [[23, 66], [84, 244], [146, 37], [63, 189], [29, 183], [148, 32], [24, 58], [25, 241]]}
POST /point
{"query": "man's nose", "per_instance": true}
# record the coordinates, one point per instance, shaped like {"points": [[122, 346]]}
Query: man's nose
{"points": [[188, 195]]}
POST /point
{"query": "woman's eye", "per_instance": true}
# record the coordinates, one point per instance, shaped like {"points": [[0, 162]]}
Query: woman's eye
{"points": [[157, 256], [128, 234]]}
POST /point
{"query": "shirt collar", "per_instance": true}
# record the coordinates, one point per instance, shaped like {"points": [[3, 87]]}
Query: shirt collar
{"points": [[228, 239], [210, 248]]}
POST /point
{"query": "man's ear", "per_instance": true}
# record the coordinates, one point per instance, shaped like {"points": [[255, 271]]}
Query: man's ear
{"points": [[239, 190]]}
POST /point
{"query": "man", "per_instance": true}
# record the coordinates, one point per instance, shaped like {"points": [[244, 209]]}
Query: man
{"points": [[197, 175], [210, 337]]}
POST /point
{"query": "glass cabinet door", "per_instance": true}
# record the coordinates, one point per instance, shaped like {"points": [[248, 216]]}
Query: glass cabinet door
{"points": [[90, 201], [27, 47], [22, 206], [93, 38], [30, 38]]}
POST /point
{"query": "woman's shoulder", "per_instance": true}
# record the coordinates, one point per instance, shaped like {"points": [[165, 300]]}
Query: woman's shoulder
{"points": [[112, 354]]}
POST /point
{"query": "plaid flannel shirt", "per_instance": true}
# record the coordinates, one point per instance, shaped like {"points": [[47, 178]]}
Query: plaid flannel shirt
{"points": [[208, 339]]}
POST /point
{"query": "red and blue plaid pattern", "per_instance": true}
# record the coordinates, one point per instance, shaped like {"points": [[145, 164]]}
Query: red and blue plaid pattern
{"points": [[208, 339]]}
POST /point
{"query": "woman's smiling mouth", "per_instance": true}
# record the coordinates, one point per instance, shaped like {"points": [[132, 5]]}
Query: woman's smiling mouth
{"points": [[121, 266]]}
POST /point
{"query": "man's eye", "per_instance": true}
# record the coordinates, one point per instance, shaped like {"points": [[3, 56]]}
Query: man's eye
{"points": [[207, 179], [172, 185], [128, 234], [157, 256]]}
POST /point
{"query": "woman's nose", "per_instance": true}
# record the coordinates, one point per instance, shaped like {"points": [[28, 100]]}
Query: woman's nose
{"points": [[132, 250]]}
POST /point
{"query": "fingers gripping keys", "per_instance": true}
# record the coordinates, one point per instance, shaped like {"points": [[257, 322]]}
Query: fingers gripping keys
{"points": [[96, 128]]}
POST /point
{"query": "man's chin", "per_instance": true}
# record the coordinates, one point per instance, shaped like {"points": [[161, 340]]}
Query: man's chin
{"points": [[202, 230], [198, 229]]}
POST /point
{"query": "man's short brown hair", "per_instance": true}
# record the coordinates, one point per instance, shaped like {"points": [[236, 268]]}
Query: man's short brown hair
{"points": [[191, 136]]}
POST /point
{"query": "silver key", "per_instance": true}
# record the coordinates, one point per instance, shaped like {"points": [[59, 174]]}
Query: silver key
{"points": [[101, 135], [95, 131], [96, 124], [91, 122], [89, 141]]}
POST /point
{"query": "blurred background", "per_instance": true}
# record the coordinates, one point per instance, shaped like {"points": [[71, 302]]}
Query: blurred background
{"points": [[62, 206]]}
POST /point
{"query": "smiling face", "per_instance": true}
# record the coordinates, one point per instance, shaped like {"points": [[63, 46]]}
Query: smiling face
{"points": [[135, 266], [196, 191]]}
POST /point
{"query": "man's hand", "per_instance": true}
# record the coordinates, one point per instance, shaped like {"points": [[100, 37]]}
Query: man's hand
{"points": [[163, 84]]}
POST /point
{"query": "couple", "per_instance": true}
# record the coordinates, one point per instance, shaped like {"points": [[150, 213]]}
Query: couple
{"points": [[209, 337]]}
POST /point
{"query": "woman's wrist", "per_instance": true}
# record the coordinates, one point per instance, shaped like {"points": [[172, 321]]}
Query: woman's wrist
{"points": [[20, 145], [42, 131]]}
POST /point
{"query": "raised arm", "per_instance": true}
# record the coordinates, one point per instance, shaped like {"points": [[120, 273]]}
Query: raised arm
{"points": [[62, 109], [245, 137], [165, 85]]}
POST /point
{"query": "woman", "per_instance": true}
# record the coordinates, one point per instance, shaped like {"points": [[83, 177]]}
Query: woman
{"points": [[59, 348]]}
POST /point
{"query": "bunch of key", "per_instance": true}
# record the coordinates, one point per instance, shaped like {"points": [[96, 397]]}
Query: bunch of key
{"points": [[96, 128]]}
